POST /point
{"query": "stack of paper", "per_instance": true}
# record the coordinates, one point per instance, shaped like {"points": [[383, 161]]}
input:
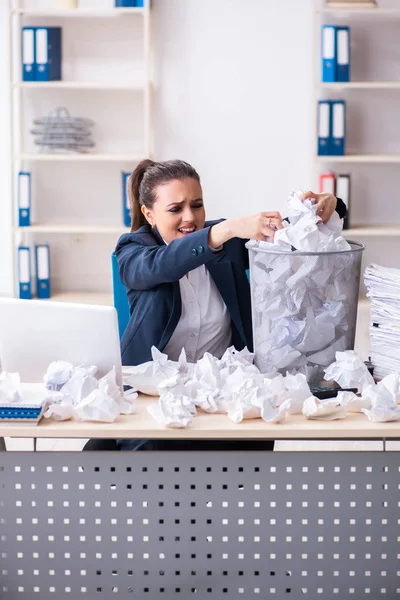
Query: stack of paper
{"points": [[20, 403], [384, 291]]}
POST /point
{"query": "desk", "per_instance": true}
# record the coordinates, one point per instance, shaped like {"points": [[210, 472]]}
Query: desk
{"points": [[168, 525]]}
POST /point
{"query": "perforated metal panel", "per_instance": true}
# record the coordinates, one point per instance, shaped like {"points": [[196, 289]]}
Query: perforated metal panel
{"points": [[215, 525]]}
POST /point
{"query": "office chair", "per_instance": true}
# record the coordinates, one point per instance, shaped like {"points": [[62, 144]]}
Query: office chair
{"points": [[120, 297]]}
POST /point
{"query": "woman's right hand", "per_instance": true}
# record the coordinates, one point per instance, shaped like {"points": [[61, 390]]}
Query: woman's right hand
{"points": [[255, 227]]}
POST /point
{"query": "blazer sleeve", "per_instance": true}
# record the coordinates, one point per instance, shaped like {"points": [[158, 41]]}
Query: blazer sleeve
{"points": [[142, 267], [341, 208]]}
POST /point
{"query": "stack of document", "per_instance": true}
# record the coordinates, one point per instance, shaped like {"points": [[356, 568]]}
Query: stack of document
{"points": [[383, 286], [22, 413], [20, 403]]}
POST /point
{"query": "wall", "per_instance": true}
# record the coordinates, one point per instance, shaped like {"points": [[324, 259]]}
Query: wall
{"points": [[233, 96]]}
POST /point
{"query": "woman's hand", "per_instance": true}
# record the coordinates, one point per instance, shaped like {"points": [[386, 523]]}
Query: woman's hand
{"points": [[326, 204], [256, 227]]}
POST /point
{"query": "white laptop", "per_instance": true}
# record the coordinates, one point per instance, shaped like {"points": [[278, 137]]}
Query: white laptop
{"points": [[33, 333]]}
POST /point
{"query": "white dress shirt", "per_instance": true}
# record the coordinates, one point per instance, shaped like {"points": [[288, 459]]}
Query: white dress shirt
{"points": [[205, 324]]}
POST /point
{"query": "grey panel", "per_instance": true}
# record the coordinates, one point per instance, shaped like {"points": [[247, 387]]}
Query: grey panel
{"points": [[154, 525]]}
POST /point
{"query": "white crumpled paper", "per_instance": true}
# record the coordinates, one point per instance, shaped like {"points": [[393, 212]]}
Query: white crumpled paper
{"points": [[302, 305], [10, 387], [57, 375], [349, 371], [173, 411], [231, 385], [83, 397], [353, 402], [324, 410], [146, 377], [384, 398]]}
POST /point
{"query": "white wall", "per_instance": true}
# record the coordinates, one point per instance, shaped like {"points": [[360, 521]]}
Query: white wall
{"points": [[234, 85], [233, 96]]}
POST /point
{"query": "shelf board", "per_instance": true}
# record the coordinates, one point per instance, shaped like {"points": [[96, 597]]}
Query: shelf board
{"points": [[75, 13], [360, 85], [360, 158], [103, 298], [379, 12], [89, 157], [372, 231], [73, 228], [80, 85]]}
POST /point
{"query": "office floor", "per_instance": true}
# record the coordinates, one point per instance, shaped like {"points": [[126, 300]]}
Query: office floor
{"points": [[361, 346]]}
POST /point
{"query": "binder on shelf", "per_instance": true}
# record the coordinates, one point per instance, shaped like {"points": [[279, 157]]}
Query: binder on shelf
{"points": [[24, 199], [48, 53], [125, 3], [338, 127], [24, 272], [324, 127], [342, 53], [42, 254], [28, 54], [343, 192], [126, 210], [327, 183], [328, 46], [139, 4]]}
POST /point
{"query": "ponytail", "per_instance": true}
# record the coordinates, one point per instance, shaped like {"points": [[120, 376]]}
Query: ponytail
{"points": [[134, 182], [143, 183]]}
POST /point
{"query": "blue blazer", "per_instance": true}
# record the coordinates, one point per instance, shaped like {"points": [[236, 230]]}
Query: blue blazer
{"points": [[151, 270]]}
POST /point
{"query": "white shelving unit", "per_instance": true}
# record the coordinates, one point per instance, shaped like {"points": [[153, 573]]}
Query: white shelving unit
{"points": [[353, 16], [88, 241]]}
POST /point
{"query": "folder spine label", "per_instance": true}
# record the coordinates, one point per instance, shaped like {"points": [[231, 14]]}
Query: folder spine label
{"points": [[338, 128], [327, 183], [42, 253], [28, 54], [343, 54], [328, 43], [24, 272], [24, 199], [324, 127]]}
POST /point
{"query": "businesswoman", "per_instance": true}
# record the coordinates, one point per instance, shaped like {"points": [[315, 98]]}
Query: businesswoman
{"points": [[185, 276]]}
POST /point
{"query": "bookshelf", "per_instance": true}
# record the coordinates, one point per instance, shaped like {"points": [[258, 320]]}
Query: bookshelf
{"points": [[373, 151], [110, 83]]}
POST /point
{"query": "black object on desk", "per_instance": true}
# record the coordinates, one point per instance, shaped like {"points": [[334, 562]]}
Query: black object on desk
{"points": [[328, 389]]}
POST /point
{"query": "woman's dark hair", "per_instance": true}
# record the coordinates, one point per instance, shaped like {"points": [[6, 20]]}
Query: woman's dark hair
{"points": [[144, 180]]}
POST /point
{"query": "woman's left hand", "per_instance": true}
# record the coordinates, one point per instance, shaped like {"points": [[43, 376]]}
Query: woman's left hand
{"points": [[326, 204]]}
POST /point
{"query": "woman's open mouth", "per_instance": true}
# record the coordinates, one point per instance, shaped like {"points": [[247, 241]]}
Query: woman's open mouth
{"points": [[187, 230]]}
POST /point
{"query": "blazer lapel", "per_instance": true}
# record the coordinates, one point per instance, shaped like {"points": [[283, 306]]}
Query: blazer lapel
{"points": [[222, 274]]}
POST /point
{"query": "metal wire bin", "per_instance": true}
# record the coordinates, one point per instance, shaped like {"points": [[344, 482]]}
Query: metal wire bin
{"points": [[60, 132], [304, 307]]}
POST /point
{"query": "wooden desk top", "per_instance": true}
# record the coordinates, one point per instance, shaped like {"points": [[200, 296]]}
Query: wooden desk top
{"points": [[207, 426]]}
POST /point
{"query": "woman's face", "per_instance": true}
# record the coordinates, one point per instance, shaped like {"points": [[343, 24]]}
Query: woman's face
{"points": [[178, 210]]}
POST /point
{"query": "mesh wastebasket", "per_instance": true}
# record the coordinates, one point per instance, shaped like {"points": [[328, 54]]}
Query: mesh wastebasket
{"points": [[304, 307]]}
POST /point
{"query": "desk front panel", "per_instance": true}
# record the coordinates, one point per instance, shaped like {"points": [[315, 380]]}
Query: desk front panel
{"points": [[153, 525]]}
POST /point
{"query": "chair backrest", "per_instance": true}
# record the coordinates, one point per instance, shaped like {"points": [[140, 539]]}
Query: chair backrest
{"points": [[120, 297]]}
